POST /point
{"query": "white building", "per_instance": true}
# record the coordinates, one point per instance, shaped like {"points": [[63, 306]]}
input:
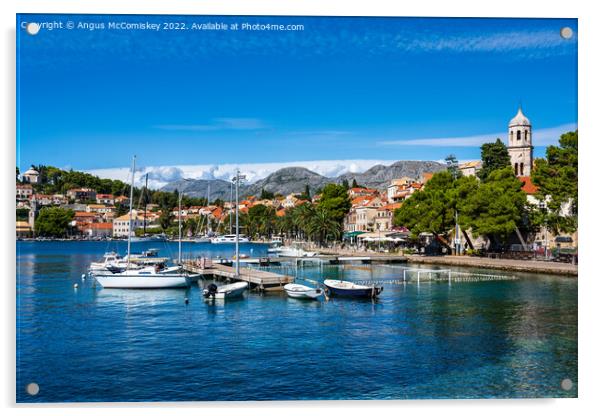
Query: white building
{"points": [[31, 175], [520, 146], [24, 191], [121, 224]]}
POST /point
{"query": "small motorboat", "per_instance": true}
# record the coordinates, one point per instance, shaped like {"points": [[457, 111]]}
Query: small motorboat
{"points": [[233, 290], [350, 289], [297, 291]]}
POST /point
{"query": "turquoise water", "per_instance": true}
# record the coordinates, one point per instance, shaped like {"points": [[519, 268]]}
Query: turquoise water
{"points": [[511, 338]]}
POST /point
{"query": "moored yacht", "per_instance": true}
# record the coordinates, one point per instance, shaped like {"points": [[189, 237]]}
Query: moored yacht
{"points": [[229, 239]]}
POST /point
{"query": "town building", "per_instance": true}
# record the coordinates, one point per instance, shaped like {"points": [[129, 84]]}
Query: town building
{"points": [[520, 147], [384, 217], [98, 230], [81, 194], [470, 168], [121, 224], [106, 199], [43, 200], [24, 191], [31, 176]]}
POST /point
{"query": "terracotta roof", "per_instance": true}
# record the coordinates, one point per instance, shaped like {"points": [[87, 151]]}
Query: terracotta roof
{"points": [[281, 213], [528, 186], [85, 214], [390, 207], [101, 226]]}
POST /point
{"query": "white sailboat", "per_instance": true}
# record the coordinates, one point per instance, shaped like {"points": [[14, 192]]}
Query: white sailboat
{"points": [[149, 277]]}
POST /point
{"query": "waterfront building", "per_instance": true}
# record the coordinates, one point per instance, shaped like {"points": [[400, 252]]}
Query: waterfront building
{"points": [[384, 217], [81, 194], [31, 175], [520, 147], [470, 168], [106, 199], [98, 230], [121, 224], [24, 191]]}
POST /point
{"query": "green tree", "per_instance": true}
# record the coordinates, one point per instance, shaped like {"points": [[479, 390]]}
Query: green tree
{"points": [[497, 208], [431, 210], [335, 200], [22, 214], [53, 222], [557, 179], [165, 219], [354, 184], [306, 195], [452, 166], [494, 156], [261, 220], [323, 226], [266, 194], [345, 184]]}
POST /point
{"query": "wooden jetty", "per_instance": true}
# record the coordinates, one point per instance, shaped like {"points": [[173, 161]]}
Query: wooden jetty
{"points": [[260, 280]]}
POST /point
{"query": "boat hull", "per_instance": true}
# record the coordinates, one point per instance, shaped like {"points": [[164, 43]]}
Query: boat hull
{"points": [[142, 282], [302, 292], [352, 291], [230, 291]]}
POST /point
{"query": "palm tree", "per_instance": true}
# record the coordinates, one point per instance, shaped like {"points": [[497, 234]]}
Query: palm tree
{"points": [[322, 225]]}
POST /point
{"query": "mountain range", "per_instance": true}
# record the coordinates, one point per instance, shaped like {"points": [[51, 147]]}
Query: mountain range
{"points": [[294, 179]]}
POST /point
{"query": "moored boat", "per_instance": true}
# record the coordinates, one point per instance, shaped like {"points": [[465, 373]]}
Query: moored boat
{"points": [[297, 291], [350, 289], [229, 239], [148, 278], [226, 291]]}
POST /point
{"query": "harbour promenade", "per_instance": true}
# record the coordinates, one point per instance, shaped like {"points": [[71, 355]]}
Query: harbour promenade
{"points": [[529, 266]]}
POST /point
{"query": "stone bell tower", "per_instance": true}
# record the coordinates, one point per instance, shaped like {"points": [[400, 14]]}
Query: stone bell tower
{"points": [[520, 147]]}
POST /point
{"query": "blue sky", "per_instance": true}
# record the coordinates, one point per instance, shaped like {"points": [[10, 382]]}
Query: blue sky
{"points": [[341, 89]]}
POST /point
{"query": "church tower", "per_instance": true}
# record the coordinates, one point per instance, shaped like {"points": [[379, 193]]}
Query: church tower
{"points": [[520, 147]]}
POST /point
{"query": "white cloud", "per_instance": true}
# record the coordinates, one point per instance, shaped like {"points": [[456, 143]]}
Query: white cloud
{"points": [[159, 176], [225, 123], [541, 137], [492, 42]]}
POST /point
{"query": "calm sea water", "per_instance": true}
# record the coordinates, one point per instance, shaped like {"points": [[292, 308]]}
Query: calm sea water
{"points": [[468, 340]]}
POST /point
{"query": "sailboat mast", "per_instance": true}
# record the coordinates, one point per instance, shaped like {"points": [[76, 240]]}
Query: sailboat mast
{"points": [[145, 202], [237, 232], [180, 228], [208, 203], [131, 200], [230, 212]]}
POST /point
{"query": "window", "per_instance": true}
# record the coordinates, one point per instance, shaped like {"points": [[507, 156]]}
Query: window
{"points": [[518, 135], [522, 165], [516, 169]]}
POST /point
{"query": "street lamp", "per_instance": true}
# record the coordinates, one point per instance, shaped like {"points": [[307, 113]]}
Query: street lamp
{"points": [[237, 180], [180, 222]]}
